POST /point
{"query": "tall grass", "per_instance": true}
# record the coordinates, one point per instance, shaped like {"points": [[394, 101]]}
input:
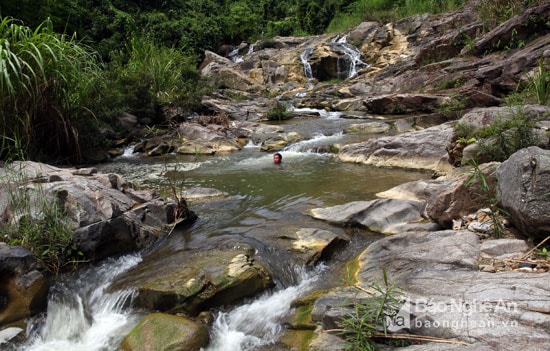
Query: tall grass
{"points": [[494, 12], [540, 84], [388, 11], [44, 81], [152, 78]]}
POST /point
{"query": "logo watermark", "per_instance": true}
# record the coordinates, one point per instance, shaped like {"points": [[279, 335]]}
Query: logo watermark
{"points": [[408, 314]]}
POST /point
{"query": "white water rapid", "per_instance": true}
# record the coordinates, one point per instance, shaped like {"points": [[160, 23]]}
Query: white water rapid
{"points": [[258, 323], [83, 316]]}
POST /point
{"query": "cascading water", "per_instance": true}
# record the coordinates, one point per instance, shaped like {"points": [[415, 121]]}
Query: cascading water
{"points": [[82, 315], [352, 54], [258, 323], [352, 58], [304, 58], [235, 57]]}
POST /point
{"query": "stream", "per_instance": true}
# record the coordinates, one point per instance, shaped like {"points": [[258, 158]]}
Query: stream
{"points": [[260, 199]]}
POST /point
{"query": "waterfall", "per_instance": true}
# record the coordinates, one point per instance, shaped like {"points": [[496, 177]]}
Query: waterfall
{"points": [[128, 151], [304, 57], [352, 54], [235, 57], [82, 315], [258, 323]]}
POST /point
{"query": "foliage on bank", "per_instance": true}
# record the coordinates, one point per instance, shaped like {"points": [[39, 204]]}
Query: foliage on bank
{"points": [[57, 97], [61, 93]]}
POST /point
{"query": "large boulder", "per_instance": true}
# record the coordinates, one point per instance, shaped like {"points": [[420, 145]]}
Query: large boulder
{"points": [[524, 191], [23, 287], [165, 332], [424, 149], [108, 216], [197, 279], [446, 295], [463, 194], [387, 216]]}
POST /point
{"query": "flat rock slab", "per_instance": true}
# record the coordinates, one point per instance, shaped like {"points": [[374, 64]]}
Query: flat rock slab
{"points": [[387, 216], [424, 149], [448, 297]]}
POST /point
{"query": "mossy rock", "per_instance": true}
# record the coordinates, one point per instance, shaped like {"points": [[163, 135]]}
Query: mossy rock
{"points": [[165, 332]]}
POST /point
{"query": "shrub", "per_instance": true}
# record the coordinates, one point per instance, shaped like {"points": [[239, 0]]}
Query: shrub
{"points": [[500, 140], [278, 112], [46, 80], [540, 84], [149, 79]]}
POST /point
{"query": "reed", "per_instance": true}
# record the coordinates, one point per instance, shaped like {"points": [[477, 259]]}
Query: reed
{"points": [[45, 81]]}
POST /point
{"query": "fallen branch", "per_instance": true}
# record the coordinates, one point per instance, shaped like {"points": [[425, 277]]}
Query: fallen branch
{"points": [[420, 338], [407, 337], [370, 292], [535, 248]]}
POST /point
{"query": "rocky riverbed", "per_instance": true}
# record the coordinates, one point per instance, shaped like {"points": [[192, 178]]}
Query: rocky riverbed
{"points": [[461, 286]]}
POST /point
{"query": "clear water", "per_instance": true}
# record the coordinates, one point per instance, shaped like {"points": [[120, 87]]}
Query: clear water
{"points": [[261, 200]]}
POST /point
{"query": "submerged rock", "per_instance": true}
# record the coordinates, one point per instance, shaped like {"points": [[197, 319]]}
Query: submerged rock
{"points": [[314, 244]]}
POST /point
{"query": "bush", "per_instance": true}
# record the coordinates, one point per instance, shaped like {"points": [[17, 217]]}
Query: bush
{"points": [[278, 112], [46, 80], [150, 78], [368, 321], [500, 140]]}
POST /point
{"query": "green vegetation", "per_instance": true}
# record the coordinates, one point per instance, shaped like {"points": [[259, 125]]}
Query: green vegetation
{"points": [[369, 320], [387, 11], [494, 12], [540, 84], [39, 223], [56, 95], [150, 78], [482, 182], [454, 108], [278, 112], [46, 82], [502, 138]]}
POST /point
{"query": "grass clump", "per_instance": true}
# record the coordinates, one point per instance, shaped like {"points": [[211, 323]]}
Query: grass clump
{"points": [[368, 321], [278, 112], [540, 84], [38, 222], [500, 140], [503, 137]]}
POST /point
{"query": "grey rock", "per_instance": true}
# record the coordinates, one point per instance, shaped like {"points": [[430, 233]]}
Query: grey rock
{"points": [[386, 216], [523, 190]]}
